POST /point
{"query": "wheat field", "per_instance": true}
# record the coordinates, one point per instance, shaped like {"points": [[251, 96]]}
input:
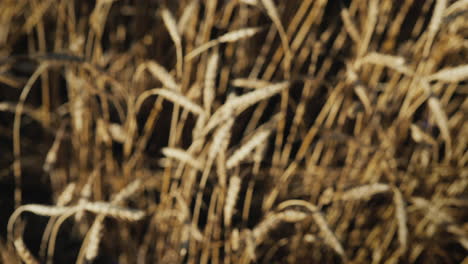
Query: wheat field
{"points": [[233, 131]]}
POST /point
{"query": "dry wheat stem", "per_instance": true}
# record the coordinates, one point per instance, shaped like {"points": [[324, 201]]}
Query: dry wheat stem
{"points": [[350, 26], [16, 130], [171, 26], [273, 13], [37, 209]]}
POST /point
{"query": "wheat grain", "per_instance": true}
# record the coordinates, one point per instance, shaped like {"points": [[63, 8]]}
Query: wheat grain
{"points": [[365, 191], [67, 194], [95, 233], [186, 15], [235, 239], [43, 210], [455, 74], [292, 216], [400, 215], [182, 156], [231, 198], [86, 192], [241, 103], [232, 36], [172, 96], [220, 142], [114, 211], [127, 192], [250, 2], [434, 25], [240, 34], [241, 153], [159, 72], [200, 49], [117, 132], [51, 157], [261, 230], [258, 157], [250, 83], [209, 90], [221, 168]]}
